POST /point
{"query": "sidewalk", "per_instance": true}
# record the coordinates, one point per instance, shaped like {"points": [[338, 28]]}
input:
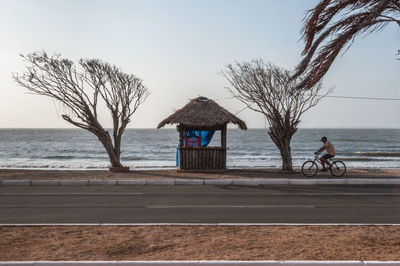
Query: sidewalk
{"points": [[237, 177], [203, 182], [16, 174]]}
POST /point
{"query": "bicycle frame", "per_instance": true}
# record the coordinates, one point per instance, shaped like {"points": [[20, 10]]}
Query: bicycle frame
{"points": [[318, 159]]}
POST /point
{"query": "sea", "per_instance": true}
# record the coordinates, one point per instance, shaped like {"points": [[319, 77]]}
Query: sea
{"points": [[156, 149]]}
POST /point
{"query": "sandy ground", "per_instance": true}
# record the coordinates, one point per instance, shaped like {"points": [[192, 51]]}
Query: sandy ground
{"points": [[173, 174], [200, 243]]}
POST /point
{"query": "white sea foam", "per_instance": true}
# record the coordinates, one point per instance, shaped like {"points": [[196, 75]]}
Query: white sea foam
{"points": [[156, 149]]}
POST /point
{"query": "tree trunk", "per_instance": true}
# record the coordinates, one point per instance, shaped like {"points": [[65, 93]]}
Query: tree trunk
{"points": [[117, 149], [286, 155], [282, 141], [113, 155]]}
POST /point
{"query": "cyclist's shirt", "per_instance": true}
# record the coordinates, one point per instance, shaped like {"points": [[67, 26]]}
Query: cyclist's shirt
{"points": [[329, 148]]}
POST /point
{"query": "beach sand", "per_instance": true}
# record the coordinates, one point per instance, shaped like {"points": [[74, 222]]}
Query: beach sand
{"points": [[14, 174]]}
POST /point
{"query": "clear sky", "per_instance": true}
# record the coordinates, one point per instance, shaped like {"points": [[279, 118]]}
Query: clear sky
{"points": [[179, 47]]}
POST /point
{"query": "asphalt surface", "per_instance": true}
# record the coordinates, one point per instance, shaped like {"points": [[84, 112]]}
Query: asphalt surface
{"points": [[199, 204]]}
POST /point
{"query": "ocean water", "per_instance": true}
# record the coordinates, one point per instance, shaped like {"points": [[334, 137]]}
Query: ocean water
{"points": [[156, 149]]}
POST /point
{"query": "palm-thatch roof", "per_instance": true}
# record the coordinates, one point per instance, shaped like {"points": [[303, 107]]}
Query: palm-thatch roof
{"points": [[202, 113]]}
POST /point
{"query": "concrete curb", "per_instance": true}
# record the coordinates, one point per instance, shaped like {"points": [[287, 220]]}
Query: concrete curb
{"points": [[218, 182], [189, 182], [160, 182], [103, 182], [201, 182], [45, 182], [74, 182], [15, 182], [131, 182], [192, 263]]}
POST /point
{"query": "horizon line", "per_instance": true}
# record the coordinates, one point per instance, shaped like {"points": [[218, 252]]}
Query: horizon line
{"points": [[77, 128]]}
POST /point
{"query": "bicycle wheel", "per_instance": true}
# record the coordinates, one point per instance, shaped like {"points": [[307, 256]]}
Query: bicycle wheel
{"points": [[338, 168], [309, 169]]}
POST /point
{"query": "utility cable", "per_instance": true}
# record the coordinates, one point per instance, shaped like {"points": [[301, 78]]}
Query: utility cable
{"points": [[363, 98], [344, 97]]}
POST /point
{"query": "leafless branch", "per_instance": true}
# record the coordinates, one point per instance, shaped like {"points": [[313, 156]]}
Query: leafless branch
{"points": [[78, 88], [271, 90]]}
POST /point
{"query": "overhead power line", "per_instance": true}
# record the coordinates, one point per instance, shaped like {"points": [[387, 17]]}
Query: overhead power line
{"points": [[363, 98], [242, 110], [346, 97]]}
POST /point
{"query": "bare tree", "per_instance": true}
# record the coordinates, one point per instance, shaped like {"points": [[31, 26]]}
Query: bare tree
{"points": [[79, 89], [333, 24], [270, 90]]}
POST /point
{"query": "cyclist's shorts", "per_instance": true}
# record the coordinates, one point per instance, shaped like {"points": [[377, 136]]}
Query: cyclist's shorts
{"points": [[327, 156]]}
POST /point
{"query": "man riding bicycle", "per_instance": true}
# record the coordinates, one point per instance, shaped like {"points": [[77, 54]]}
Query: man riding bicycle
{"points": [[330, 152]]}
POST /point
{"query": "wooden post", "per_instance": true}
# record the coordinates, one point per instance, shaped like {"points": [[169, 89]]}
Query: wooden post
{"points": [[223, 145], [180, 147], [180, 138], [223, 137]]}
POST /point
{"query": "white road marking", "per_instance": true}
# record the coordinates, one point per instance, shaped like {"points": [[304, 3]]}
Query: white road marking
{"points": [[225, 206], [71, 194], [195, 206], [342, 194], [201, 224], [141, 193], [271, 206], [150, 206], [69, 206]]}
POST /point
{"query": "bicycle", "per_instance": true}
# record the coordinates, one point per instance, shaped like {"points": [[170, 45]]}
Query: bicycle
{"points": [[310, 168]]}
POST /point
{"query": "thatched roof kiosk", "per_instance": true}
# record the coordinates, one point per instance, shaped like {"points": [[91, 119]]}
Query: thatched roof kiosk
{"points": [[197, 122]]}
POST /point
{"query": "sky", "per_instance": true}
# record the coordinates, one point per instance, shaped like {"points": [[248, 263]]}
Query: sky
{"points": [[180, 47]]}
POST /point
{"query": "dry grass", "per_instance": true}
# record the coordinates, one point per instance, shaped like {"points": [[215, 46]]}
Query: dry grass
{"points": [[200, 243]]}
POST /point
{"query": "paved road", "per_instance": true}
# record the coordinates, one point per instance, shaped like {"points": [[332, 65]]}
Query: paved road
{"points": [[200, 204]]}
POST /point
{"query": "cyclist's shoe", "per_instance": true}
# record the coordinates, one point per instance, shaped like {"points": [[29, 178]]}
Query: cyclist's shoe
{"points": [[324, 170]]}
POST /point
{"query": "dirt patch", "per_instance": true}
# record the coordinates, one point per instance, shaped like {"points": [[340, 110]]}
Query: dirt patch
{"points": [[200, 243], [14, 174]]}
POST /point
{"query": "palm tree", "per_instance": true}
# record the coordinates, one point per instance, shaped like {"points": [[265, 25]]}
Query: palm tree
{"points": [[332, 25]]}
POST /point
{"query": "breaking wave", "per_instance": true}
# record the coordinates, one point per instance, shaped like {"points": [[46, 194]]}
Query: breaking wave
{"points": [[156, 149], [379, 154]]}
